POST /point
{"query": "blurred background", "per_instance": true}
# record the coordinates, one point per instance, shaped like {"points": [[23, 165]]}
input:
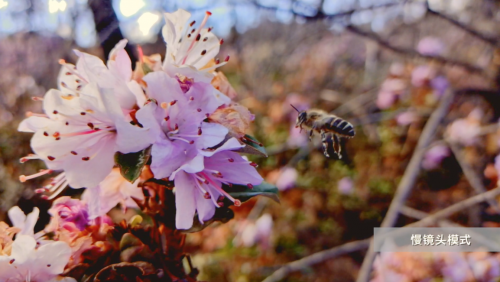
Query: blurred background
{"points": [[383, 65]]}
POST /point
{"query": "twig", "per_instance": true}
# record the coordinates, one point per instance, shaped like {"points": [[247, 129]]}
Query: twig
{"points": [[485, 38], [460, 206], [472, 177], [410, 176], [410, 52], [361, 244], [317, 258], [411, 212]]}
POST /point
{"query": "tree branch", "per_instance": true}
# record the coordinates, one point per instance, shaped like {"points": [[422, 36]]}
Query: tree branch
{"points": [[426, 220], [317, 258], [472, 177], [410, 52], [410, 176], [485, 38]]}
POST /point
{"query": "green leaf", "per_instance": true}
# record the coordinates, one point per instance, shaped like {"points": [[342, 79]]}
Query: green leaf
{"points": [[243, 193], [253, 146], [223, 215], [131, 164]]}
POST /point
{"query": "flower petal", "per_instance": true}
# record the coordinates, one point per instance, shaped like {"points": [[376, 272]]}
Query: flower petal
{"points": [[23, 248], [204, 207], [234, 168], [184, 200], [54, 255]]}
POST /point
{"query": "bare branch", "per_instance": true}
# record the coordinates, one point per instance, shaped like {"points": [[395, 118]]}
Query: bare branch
{"points": [[410, 52], [410, 176], [485, 38], [317, 258], [472, 176], [361, 244]]}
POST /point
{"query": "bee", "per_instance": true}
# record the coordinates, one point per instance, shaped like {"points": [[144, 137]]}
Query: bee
{"points": [[331, 128]]}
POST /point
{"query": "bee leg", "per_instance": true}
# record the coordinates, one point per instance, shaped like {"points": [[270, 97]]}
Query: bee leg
{"points": [[311, 134], [336, 145], [324, 140]]}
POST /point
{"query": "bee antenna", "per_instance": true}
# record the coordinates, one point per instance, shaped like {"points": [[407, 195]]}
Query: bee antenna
{"points": [[295, 108]]}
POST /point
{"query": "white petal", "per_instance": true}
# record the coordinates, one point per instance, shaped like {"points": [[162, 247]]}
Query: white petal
{"points": [[31, 219], [81, 173], [23, 248], [92, 196], [33, 124], [17, 217], [55, 254]]}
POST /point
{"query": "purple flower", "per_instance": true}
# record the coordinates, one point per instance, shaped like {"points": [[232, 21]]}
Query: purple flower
{"points": [[198, 183], [440, 84], [434, 156], [66, 210], [176, 121], [345, 185]]}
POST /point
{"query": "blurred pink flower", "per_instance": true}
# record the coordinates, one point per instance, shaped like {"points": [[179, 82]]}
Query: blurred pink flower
{"points": [[258, 232], [345, 186], [466, 131], [287, 178], [66, 210], [422, 75], [296, 138], [385, 99], [394, 85], [434, 156], [405, 118], [431, 46]]}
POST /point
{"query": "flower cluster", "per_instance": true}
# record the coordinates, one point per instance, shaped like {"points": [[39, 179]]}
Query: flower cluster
{"points": [[177, 117]]}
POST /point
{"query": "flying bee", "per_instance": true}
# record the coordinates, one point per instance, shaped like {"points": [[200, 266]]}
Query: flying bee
{"points": [[331, 128]]}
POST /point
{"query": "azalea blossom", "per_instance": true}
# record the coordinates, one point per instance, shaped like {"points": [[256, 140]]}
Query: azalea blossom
{"points": [[113, 190], [187, 45], [435, 156], [198, 183], [466, 130], [80, 135], [26, 263], [176, 121], [117, 75]]}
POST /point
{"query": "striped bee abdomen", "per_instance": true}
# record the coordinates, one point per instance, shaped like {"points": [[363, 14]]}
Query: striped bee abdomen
{"points": [[338, 126]]}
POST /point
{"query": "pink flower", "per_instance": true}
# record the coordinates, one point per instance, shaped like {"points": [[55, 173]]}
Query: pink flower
{"points": [[176, 122], [113, 190], [431, 46], [258, 232], [27, 263], [421, 75], [434, 156], [345, 185], [386, 99], [406, 118], [296, 138], [66, 210], [287, 178], [466, 131], [198, 183], [186, 45], [80, 135]]}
